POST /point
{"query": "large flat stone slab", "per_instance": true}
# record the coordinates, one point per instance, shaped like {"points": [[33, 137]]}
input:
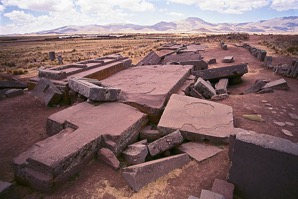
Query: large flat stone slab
{"points": [[149, 87], [199, 151], [138, 176], [86, 128], [264, 166], [197, 119]]}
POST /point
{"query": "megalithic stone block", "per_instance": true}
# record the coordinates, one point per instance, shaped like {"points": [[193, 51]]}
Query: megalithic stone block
{"points": [[221, 87], [139, 175], [47, 91], [93, 91], [165, 143], [264, 166], [151, 59], [214, 74], [204, 88], [280, 84], [135, 153]]}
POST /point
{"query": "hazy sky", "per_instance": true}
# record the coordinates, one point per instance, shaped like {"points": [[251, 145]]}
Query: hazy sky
{"points": [[23, 16]]}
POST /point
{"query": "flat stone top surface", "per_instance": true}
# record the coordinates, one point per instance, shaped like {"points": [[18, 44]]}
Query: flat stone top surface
{"points": [[269, 142], [149, 85], [92, 122], [197, 116]]}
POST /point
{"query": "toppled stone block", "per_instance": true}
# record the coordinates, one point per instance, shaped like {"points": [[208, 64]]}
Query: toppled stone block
{"points": [[255, 88], [230, 72], [94, 92], [138, 176], [270, 169], [47, 91], [224, 188], [85, 129], [197, 64], [135, 153], [194, 93], [12, 84], [212, 61], [206, 194], [165, 143], [221, 87], [204, 88], [197, 119], [198, 151], [14, 92], [7, 191], [151, 59], [228, 59], [108, 157], [151, 134], [280, 84]]}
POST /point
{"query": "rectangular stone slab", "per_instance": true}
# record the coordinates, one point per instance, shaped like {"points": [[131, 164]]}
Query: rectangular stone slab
{"points": [[197, 119], [280, 84], [224, 188], [139, 175], [151, 59], [198, 151], [221, 86], [264, 166], [214, 74], [149, 87], [58, 155]]}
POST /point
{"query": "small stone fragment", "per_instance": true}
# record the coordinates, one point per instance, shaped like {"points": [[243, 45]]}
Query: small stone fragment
{"points": [[206, 194], [257, 118], [279, 123], [228, 59], [219, 97], [290, 124], [14, 92], [270, 108], [293, 116], [274, 112], [264, 101], [135, 153], [165, 143], [287, 132], [108, 157], [268, 104]]}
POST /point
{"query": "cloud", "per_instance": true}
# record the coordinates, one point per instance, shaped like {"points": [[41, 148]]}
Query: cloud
{"points": [[2, 8], [19, 17], [225, 6], [176, 14], [282, 5]]}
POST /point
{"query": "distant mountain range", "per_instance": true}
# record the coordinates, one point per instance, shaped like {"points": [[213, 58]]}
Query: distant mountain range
{"points": [[189, 25]]}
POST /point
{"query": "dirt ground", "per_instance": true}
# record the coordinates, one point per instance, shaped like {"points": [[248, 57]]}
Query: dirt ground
{"points": [[23, 119]]}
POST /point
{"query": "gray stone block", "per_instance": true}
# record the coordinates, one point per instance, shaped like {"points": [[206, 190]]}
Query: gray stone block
{"points": [[255, 88], [14, 92], [224, 188], [204, 88], [221, 87], [206, 194], [165, 143], [12, 84], [138, 176], [93, 91], [47, 91], [107, 156], [264, 166], [280, 84], [135, 153], [228, 59]]}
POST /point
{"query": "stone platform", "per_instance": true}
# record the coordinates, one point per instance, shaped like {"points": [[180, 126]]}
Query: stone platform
{"points": [[78, 132], [198, 120], [148, 88]]}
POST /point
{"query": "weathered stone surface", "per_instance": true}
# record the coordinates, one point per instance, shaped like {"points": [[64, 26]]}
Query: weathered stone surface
{"points": [[86, 129], [107, 156], [151, 59], [228, 59], [14, 92], [151, 134], [178, 57], [198, 151], [47, 91], [165, 143], [219, 97], [7, 191], [224, 188], [221, 87], [135, 153], [194, 93], [149, 87], [206, 194], [204, 88], [280, 84], [264, 166], [138, 176], [12, 84], [255, 88], [94, 92], [293, 116], [287, 132], [214, 74], [197, 119]]}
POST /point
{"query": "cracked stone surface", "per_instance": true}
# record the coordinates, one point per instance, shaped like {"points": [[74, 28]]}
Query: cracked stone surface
{"points": [[197, 119], [149, 87]]}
